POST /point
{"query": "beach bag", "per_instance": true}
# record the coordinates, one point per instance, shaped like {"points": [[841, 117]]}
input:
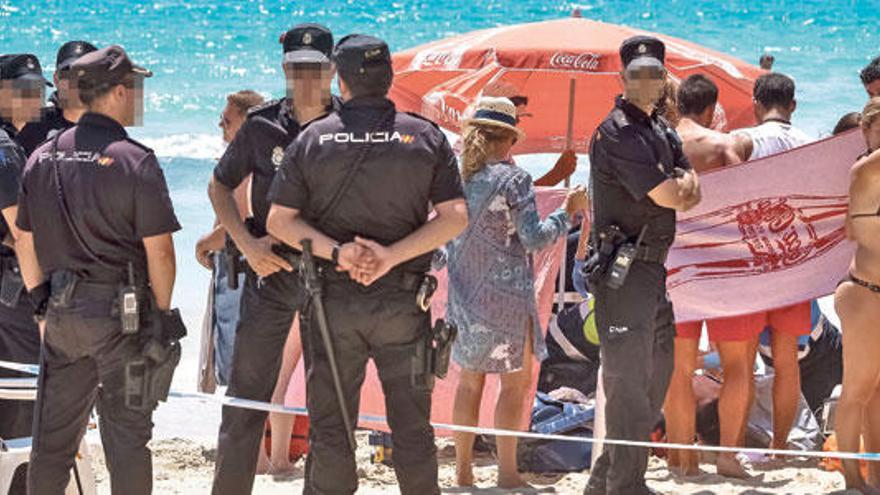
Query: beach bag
{"points": [[550, 416], [299, 438]]}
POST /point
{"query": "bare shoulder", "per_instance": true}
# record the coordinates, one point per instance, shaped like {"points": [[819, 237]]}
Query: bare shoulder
{"points": [[867, 168]]}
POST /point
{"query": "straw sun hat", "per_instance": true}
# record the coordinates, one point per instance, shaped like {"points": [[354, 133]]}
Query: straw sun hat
{"points": [[496, 112]]}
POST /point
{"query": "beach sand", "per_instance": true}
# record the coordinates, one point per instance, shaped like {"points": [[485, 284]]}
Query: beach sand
{"points": [[186, 467]]}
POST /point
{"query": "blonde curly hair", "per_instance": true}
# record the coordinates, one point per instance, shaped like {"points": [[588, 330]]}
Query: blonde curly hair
{"points": [[479, 141]]}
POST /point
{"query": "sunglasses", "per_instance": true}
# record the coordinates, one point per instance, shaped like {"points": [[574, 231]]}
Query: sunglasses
{"points": [[646, 73]]}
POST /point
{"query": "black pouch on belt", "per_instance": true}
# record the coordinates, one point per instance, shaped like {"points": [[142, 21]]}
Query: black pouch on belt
{"points": [[11, 283], [63, 284]]}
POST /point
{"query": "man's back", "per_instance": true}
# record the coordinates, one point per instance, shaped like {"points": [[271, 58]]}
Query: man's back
{"points": [[114, 191], [706, 149], [402, 169]]}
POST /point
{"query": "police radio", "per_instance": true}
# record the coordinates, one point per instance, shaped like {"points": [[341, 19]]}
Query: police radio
{"points": [[623, 260], [128, 304]]}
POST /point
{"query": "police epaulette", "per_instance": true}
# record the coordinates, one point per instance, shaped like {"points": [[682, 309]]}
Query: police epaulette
{"points": [[139, 145], [621, 119], [264, 106], [422, 117]]}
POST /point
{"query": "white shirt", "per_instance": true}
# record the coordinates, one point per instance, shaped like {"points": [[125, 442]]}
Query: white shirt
{"points": [[774, 137]]}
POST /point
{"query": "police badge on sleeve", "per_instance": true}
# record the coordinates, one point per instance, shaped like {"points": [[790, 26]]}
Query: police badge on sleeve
{"points": [[277, 156]]}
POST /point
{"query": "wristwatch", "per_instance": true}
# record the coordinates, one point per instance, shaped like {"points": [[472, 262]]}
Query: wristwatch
{"points": [[334, 255]]}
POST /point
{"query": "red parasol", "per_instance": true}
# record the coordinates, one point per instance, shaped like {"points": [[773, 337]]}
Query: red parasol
{"points": [[539, 60]]}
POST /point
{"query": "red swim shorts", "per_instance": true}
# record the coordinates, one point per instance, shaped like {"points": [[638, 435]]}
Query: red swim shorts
{"points": [[733, 329]]}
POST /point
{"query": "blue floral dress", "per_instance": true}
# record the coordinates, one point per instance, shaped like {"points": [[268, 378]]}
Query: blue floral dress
{"points": [[491, 277]]}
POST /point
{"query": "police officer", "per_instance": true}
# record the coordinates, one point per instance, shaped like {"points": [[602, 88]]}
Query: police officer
{"points": [[272, 292], [96, 218], [640, 178], [359, 183], [66, 107], [21, 88]]}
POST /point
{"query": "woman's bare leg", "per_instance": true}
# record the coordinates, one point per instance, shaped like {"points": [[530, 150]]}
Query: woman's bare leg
{"points": [[282, 424], [515, 388], [680, 408], [466, 412], [859, 311]]}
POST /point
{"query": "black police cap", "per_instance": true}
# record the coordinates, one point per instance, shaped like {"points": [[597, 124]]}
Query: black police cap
{"points": [[307, 43], [359, 55], [642, 51], [21, 67], [106, 66], [70, 51]]}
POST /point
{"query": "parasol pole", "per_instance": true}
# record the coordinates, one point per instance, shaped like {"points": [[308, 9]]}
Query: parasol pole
{"points": [[569, 143]]}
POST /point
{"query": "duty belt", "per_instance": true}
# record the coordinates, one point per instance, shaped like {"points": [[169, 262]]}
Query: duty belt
{"points": [[652, 254]]}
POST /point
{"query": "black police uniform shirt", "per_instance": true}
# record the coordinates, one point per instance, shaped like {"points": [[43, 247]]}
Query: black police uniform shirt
{"points": [[408, 167], [258, 149], [51, 121], [115, 192], [632, 153], [12, 160]]}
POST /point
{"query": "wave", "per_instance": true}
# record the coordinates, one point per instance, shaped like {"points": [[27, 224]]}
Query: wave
{"points": [[195, 146]]}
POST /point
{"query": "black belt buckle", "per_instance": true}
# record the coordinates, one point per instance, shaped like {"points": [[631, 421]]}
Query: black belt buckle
{"points": [[426, 292]]}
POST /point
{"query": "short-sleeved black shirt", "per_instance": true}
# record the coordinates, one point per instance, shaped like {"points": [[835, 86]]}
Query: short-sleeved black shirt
{"points": [[632, 153], [408, 167], [35, 133], [115, 192], [258, 149], [12, 162]]}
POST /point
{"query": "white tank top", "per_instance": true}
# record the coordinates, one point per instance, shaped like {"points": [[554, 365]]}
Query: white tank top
{"points": [[774, 137]]}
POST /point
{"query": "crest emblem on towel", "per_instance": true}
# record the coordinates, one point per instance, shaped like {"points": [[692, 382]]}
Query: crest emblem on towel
{"points": [[643, 48], [307, 39], [277, 156]]}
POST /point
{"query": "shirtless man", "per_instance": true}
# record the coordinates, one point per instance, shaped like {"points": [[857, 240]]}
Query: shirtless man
{"points": [[857, 302], [706, 150]]}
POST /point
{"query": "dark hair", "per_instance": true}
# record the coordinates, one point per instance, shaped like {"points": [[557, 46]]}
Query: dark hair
{"points": [[88, 93], [376, 81], [774, 90], [871, 72], [244, 100], [696, 94], [847, 122]]}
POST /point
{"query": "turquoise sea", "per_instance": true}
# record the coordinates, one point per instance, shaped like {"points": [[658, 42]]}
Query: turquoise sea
{"points": [[201, 50]]}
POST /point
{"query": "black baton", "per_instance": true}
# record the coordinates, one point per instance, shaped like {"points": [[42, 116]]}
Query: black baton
{"points": [[313, 287]]}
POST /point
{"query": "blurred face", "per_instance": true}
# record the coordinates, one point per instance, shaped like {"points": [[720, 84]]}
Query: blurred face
{"points": [[21, 101], [133, 101], [309, 84], [68, 93], [644, 86], [872, 135], [230, 121], [873, 88]]}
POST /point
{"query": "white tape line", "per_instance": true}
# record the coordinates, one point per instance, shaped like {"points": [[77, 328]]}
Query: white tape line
{"points": [[32, 369], [277, 408]]}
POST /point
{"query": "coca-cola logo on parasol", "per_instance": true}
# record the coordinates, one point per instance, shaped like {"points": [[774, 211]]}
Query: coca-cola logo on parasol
{"points": [[436, 59], [575, 61]]}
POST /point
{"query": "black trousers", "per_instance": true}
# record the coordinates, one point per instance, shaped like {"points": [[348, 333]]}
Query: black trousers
{"points": [[383, 323], [636, 330], [267, 311], [83, 362], [20, 343]]}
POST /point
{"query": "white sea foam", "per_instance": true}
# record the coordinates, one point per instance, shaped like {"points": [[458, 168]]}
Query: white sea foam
{"points": [[195, 146]]}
